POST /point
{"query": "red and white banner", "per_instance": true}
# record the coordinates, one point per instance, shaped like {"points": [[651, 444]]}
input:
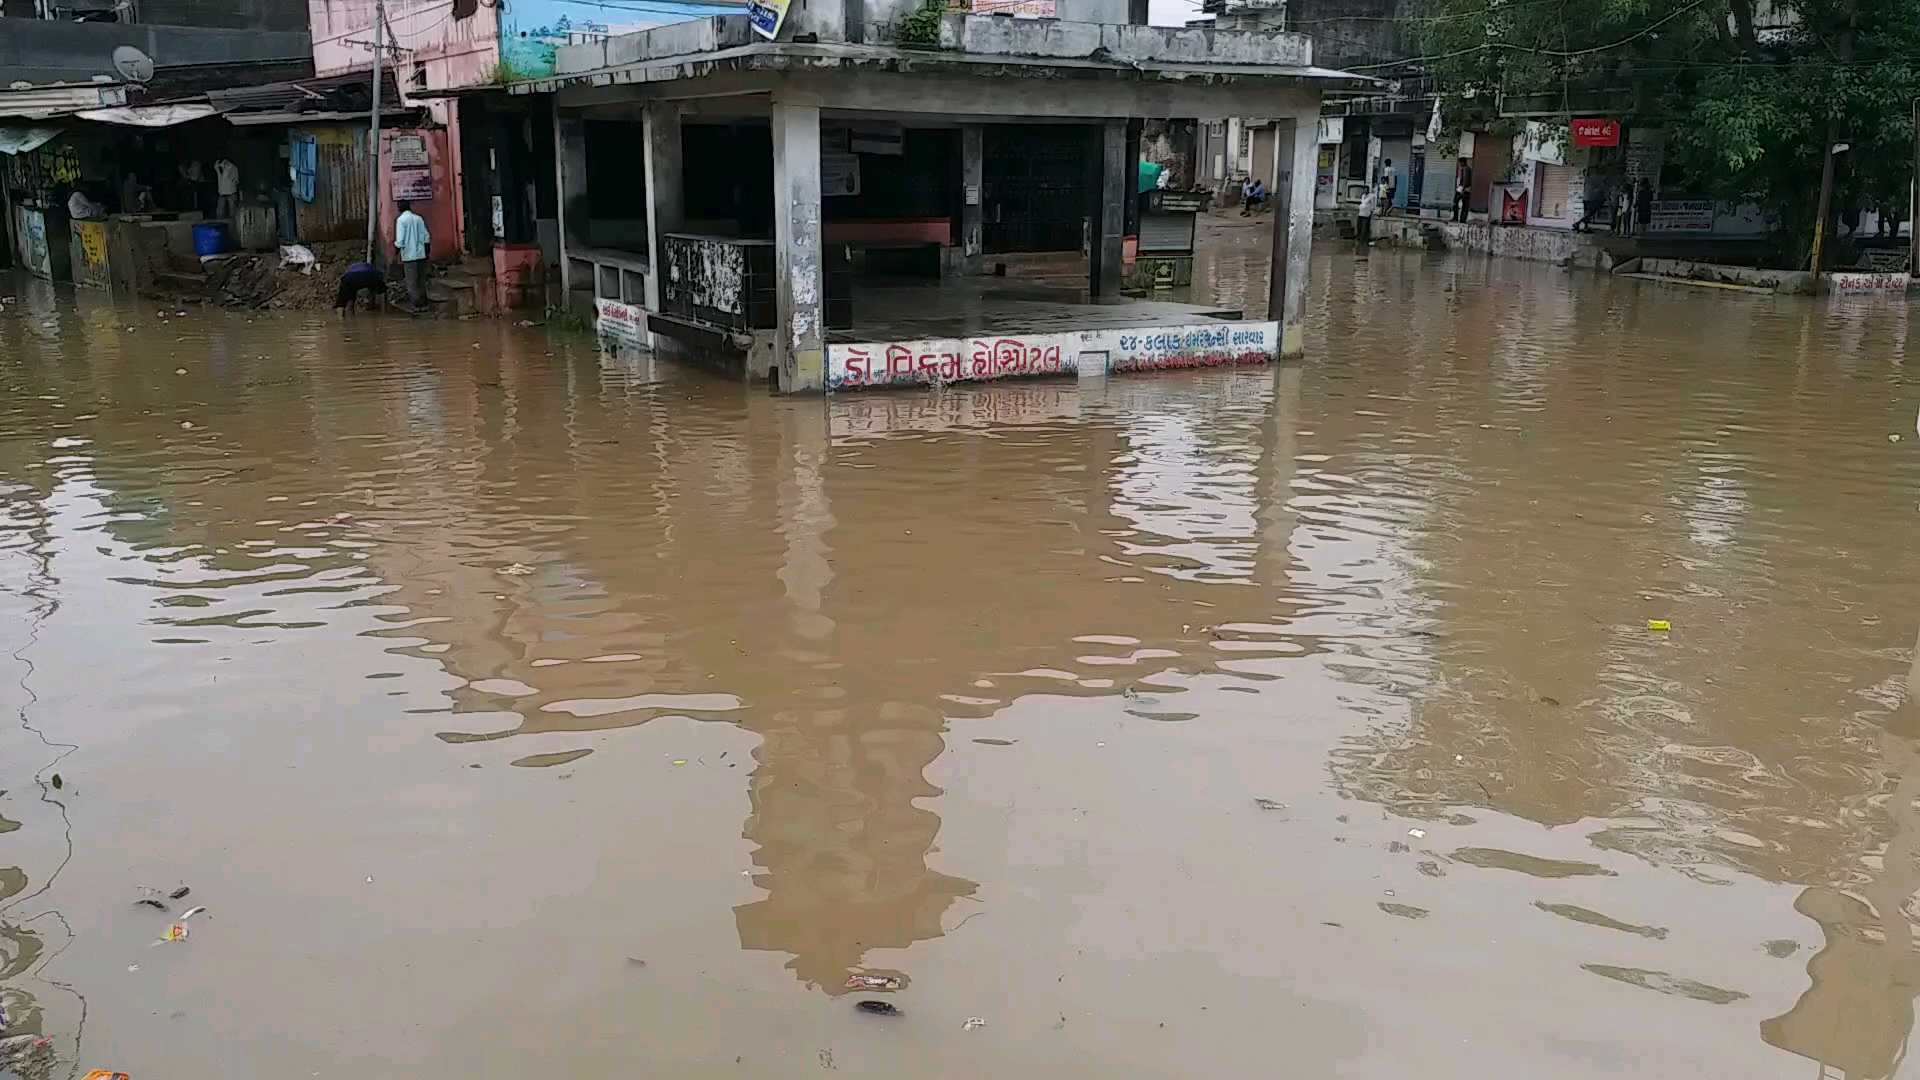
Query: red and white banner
{"points": [[1596, 131]]}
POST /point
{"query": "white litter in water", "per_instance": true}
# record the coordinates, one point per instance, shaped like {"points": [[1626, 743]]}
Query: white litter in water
{"points": [[1417, 834]]}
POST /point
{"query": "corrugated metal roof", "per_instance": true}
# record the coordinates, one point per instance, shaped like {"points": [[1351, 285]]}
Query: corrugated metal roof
{"points": [[340, 93]]}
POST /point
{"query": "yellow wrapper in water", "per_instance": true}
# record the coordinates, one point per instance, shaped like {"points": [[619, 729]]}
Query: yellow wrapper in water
{"points": [[1659, 624]]}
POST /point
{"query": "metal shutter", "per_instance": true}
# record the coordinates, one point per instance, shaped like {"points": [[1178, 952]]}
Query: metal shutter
{"points": [[1556, 191]]}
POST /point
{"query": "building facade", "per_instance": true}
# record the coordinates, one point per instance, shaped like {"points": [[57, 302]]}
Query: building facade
{"points": [[835, 200]]}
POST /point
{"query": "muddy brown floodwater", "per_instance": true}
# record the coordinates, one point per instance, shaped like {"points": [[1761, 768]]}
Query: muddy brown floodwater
{"points": [[516, 713]]}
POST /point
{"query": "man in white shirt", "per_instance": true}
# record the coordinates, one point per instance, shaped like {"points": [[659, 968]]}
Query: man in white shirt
{"points": [[227, 175], [411, 239], [1363, 220]]}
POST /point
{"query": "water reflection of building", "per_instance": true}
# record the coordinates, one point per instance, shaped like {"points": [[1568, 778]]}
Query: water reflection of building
{"points": [[1856, 1015], [848, 576]]}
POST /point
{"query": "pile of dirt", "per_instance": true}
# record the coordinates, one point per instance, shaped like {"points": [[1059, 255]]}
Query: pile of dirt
{"points": [[257, 280]]}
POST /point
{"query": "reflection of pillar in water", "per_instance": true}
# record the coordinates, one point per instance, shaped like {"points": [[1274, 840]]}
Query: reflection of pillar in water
{"points": [[1274, 510], [805, 519], [841, 846], [1857, 1016]]}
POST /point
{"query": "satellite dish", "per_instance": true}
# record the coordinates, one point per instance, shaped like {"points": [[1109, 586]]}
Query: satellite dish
{"points": [[132, 64]]}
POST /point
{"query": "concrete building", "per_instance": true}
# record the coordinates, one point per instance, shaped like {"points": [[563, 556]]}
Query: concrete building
{"points": [[57, 56], [441, 45], [879, 195]]}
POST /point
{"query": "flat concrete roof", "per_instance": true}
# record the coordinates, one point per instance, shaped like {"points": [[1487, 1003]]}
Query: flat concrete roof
{"points": [[787, 56], [970, 45]]}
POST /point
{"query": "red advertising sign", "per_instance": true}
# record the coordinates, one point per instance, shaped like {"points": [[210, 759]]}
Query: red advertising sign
{"points": [[1595, 131]]}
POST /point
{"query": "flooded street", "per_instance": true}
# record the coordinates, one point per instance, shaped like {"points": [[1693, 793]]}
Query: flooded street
{"points": [[519, 713]]}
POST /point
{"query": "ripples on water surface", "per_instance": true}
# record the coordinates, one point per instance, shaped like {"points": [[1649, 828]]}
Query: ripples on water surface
{"points": [[517, 714]]}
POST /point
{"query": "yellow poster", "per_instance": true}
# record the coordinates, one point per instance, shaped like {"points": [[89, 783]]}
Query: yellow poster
{"points": [[93, 242]]}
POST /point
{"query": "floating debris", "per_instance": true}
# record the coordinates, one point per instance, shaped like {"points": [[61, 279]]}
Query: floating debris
{"points": [[878, 1008], [875, 982]]}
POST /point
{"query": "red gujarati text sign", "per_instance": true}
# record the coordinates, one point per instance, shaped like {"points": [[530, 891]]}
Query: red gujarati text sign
{"points": [[1594, 131]]}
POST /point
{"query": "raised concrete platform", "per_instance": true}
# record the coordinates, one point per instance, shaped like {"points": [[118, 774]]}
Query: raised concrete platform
{"points": [[973, 307]]}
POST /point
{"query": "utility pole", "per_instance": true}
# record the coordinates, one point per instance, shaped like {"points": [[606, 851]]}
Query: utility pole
{"points": [[1286, 136], [373, 138], [1913, 212], [1827, 151], [1826, 198]]}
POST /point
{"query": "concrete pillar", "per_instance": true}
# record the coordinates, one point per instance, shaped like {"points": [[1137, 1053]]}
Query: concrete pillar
{"points": [[570, 182], [1292, 225], [666, 189], [1105, 247], [973, 177], [799, 270]]}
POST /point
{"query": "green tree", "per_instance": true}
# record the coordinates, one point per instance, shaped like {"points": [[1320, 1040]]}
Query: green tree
{"points": [[1747, 91]]}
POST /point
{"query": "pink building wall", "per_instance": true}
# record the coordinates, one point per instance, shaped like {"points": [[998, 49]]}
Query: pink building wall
{"points": [[443, 50], [441, 211]]}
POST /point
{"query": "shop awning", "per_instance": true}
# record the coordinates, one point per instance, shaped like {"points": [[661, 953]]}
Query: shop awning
{"points": [[20, 140], [149, 116]]}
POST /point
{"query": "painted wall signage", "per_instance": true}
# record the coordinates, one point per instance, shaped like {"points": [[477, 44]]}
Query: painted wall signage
{"points": [[1868, 283], [619, 324], [1596, 131], [1085, 352], [1681, 216], [407, 151], [415, 185]]}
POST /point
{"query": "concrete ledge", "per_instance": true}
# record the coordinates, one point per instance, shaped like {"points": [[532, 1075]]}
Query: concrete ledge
{"points": [[978, 35], [988, 35], [1562, 247], [1783, 281], [676, 39]]}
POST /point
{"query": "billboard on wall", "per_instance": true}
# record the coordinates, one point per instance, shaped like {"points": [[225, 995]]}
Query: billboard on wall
{"points": [[531, 30]]}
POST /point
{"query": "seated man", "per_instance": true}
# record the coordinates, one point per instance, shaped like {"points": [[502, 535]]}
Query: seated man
{"points": [[360, 276], [1255, 197]]}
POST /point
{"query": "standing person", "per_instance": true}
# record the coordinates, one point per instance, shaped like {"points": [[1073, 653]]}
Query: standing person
{"points": [[226, 177], [1643, 208], [135, 197], [1363, 220], [193, 177], [411, 239], [1389, 184], [1462, 189]]}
